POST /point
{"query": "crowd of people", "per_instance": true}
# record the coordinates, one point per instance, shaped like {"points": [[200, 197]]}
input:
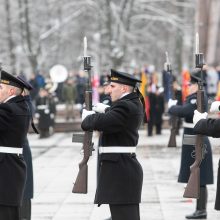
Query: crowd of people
{"points": [[155, 90]]}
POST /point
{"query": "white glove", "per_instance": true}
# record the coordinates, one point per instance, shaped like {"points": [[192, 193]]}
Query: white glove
{"points": [[85, 113], [171, 102], [100, 107], [215, 106], [37, 115], [198, 116], [47, 111]]}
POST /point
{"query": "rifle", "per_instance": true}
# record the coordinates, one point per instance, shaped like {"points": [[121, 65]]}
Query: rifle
{"points": [[192, 189], [173, 119], [81, 183]]}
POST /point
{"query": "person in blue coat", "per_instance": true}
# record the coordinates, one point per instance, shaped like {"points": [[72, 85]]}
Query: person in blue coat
{"points": [[186, 111]]}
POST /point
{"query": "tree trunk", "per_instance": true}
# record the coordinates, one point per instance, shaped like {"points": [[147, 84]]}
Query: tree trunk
{"points": [[11, 44], [212, 40], [26, 34]]}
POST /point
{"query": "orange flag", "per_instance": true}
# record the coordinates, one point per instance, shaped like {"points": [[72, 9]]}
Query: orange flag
{"points": [[143, 84], [143, 89], [217, 98], [185, 84]]}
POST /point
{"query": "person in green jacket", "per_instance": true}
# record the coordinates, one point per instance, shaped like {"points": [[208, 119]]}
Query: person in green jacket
{"points": [[69, 96]]}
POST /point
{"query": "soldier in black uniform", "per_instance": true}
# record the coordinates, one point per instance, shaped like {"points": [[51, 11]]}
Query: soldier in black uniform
{"points": [[121, 176], [105, 98], [25, 213], [14, 124], [178, 97], [159, 109], [45, 112], [209, 127], [186, 112]]}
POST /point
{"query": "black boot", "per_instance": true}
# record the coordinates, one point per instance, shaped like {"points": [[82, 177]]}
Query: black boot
{"points": [[200, 212]]}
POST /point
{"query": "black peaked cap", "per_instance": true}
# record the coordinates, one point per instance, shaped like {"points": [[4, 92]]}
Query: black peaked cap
{"points": [[123, 78], [28, 86], [9, 79], [107, 80]]}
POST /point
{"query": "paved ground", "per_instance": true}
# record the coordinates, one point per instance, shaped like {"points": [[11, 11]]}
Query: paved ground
{"points": [[56, 165]]}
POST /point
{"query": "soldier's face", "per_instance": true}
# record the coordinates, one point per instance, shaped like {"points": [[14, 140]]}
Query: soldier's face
{"points": [[116, 90], [4, 92], [193, 87], [107, 89]]}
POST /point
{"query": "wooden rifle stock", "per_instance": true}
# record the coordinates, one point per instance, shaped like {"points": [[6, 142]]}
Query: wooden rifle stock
{"points": [[174, 128], [192, 189], [81, 183], [173, 119]]}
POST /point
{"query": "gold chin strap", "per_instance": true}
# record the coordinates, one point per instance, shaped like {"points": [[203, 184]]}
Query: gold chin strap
{"points": [[22, 92]]}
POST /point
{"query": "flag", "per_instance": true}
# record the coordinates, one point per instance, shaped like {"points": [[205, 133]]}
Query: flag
{"points": [[143, 89], [143, 84], [185, 84]]}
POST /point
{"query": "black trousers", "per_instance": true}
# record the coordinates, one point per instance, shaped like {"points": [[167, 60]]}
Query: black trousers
{"points": [[158, 128], [25, 210], [125, 212], [150, 125], [9, 212]]}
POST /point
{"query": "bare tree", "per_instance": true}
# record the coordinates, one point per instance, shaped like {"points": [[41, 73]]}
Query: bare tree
{"points": [[11, 44], [213, 32], [119, 32], [26, 34]]}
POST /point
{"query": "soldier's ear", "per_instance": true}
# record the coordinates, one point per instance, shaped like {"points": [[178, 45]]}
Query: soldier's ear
{"points": [[126, 87], [11, 91]]}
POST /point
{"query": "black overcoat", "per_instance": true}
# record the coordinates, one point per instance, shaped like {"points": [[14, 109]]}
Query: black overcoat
{"points": [[159, 109], [121, 175], [44, 110], [211, 127], [186, 111], [14, 124], [29, 185], [153, 102]]}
